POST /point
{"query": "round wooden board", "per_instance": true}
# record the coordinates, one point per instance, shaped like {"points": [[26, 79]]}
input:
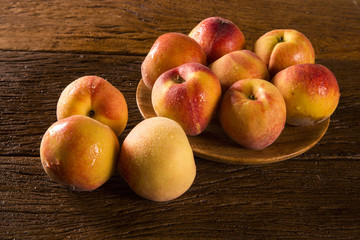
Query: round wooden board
{"points": [[213, 144]]}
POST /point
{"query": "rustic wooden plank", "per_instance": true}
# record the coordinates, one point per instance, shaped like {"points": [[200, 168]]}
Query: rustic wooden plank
{"points": [[313, 196], [293, 199], [131, 27], [31, 83]]}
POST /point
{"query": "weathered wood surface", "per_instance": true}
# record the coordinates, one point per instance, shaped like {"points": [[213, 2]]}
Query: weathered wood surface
{"points": [[44, 45], [130, 27]]}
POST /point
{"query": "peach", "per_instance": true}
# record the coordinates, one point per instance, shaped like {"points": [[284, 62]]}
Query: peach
{"points": [[94, 97], [169, 51], [188, 94], [156, 160], [237, 65], [218, 36], [282, 48], [253, 113], [311, 93], [79, 152]]}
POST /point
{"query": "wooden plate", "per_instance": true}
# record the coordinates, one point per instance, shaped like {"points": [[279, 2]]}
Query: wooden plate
{"points": [[213, 144]]}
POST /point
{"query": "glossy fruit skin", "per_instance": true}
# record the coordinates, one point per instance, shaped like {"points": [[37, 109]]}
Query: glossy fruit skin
{"points": [[218, 36], [238, 65], [79, 152], [188, 94], [170, 50], [311, 93], [94, 97], [253, 113], [282, 48]]}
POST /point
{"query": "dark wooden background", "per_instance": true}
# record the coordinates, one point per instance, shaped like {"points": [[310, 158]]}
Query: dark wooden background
{"points": [[45, 45]]}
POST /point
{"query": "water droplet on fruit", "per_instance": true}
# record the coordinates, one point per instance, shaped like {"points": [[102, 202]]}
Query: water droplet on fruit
{"points": [[93, 162], [94, 152], [46, 163], [57, 161], [321, 91], [202, 97], [57, 127]]}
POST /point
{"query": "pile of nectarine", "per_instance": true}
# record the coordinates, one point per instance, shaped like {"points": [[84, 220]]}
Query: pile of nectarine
{"points": [[82, 150], [194, 77]]}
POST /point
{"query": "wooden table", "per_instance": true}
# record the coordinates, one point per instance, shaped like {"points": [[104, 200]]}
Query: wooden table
{"points": [[45, 45]]}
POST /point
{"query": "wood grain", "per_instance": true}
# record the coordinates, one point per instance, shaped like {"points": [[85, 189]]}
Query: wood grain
{"points": [[315, 195], [225, 201], [128, 27], [213, 144], [31, 83], [45, 45]]}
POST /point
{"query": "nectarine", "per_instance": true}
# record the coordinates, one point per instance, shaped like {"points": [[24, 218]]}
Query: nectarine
{"points": [[311, 93], [79, 152], [170, 50], [94, 97], [253, 113]]}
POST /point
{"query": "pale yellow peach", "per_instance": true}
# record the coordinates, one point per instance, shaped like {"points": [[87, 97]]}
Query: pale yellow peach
{"points": [[156, 160]]}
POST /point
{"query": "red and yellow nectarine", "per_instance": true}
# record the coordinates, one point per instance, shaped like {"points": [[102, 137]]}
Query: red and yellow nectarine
{"points": [[79, 152], [253, 113], [282, 48], [94, 97], [311, 93], [170, 50], [218, 36], [188, 94]]}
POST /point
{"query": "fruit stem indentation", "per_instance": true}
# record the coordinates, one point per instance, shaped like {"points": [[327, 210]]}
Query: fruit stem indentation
{"points": [[91, 113], [179, 79], [252, 97]]}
